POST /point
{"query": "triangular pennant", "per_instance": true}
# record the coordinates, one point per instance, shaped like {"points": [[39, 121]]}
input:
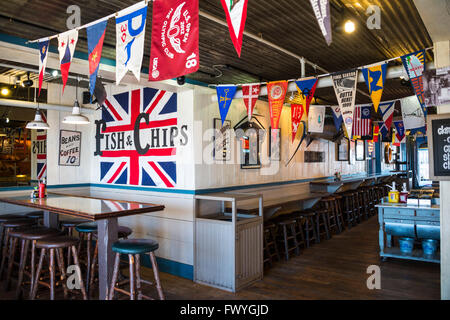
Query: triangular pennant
{"points": [[387, 113], [375, 78], [297, 112], [174, 49], [225, 95], [43, 55], [321, 9], [376, 132], [344, 84], [95, 37], [276, 92], [67, 42], [130, 37], [306, 89], [414, 64], [337, 117], [250, 94], [400, 130], [316, 119], [236, 13]]}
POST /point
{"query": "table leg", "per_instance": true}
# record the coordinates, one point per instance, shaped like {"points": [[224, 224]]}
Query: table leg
{"points": [[51, 219], [107, 235]]}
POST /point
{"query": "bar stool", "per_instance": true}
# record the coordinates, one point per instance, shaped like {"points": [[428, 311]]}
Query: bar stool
{"points": [[10, 226], [5, 218], [68, 226], [86, 231], [51, 247], [134, 248], [339, 213], [27, 236], [349, 209], [330, 205], [322, 225], [309, 219], [287, 237], [299, 227], [270, 244], [37, 215]]}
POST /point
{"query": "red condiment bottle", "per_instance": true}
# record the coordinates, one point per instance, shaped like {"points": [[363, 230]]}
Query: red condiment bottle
{"points": [[42, 188]]}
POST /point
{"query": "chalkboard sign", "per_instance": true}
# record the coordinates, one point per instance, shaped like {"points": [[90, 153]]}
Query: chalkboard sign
{"points": [[438, 131]]}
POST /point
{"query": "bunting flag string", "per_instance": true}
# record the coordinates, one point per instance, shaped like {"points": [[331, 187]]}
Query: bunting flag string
{"points": [[306, 89], [277, 92], [95, 38], [67, 42], [236, 14], [225, 95], [375, 78], [130, 39], [43, 55], [250, 94], [414, 64], [387, 113]]}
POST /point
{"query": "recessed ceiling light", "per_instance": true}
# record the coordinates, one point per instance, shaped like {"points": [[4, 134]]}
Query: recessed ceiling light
{"points": [[5, 91]]}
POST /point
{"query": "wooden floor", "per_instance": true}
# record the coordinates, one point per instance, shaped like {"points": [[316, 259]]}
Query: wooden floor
{"points": [[333, 269]]}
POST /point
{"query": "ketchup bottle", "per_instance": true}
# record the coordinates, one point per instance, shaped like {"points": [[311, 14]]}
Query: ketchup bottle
{"points": [[42, 189]]}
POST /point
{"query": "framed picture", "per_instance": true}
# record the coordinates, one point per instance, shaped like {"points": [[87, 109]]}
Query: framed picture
{"points": [[275, 144], [250, 149], [222, 140], [352, 155], [69, 148], [342, 150], [360, 150]]}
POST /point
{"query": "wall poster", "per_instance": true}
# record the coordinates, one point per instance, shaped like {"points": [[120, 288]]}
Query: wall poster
{"points": [[69, 148], [222, 140]]}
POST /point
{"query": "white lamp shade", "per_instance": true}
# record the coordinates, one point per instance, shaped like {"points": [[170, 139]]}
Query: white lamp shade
{"points": [[37, 123], [76, 117]]}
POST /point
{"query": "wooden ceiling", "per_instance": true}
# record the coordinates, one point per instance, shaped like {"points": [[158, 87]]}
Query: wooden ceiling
{"points": [[290, 24]]}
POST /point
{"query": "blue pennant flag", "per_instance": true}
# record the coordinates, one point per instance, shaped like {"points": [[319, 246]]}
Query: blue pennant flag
{"points": [[225, 95], [337, 117], [95, 37]]}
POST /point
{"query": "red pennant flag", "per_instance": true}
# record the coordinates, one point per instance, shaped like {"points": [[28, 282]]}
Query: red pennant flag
{"points": [[277, 92], [297, 111], [236, 13], [174, 51], [250, 93]]}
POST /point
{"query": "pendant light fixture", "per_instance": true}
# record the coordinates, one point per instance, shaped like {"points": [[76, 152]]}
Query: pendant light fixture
{"points": [[76, 117], [38, 123]]}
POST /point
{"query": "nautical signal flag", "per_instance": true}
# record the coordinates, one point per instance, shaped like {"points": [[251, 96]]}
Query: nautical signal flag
{"points": [[43, 55], [362, 124], [174, 50], [236, 13], [337, 117], [130, 37], [375, 77], [225, 95], [321, 9], [277, 92], [414, 64], [400, 130], [306, 89], [297, 111], [387, 113], [95, 37], [250, 94], [67, 42]]}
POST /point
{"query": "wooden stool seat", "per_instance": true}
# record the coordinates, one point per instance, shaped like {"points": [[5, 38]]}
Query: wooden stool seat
{"points": [[86, 227], [135, 246], [9, 217], [18, 223], [35, 215], [57, 242], [70, 223], [34, 233]]}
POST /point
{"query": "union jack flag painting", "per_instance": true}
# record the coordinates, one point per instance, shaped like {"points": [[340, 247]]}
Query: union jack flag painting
{"points": [[41, 157], [137, 139]]}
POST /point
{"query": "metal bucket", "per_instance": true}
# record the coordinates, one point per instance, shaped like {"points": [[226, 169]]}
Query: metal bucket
{"points": [[406, 245], [429, 246]]}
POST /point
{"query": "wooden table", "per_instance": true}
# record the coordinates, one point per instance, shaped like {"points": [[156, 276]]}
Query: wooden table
{"points": [[104, 212]]}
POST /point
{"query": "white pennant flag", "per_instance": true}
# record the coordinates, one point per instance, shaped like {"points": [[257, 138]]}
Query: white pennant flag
{"points": [[67, 42], [344, 84], [130, 37]]}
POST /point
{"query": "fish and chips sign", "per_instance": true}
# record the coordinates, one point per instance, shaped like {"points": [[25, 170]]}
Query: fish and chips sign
{"points": [[69, 148]]}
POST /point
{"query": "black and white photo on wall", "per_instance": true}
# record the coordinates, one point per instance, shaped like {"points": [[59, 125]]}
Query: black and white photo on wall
{"points": [[275, 144], [343, 150], [360, 150], [69, 148], [222, 140], [352, 152]]}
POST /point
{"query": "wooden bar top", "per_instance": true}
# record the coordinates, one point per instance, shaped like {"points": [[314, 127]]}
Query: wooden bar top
{"points": [[332, 182], [84, 207]]}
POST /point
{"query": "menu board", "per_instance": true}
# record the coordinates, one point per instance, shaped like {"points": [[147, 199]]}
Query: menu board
{"points": [[439, 146], [69, 148]]}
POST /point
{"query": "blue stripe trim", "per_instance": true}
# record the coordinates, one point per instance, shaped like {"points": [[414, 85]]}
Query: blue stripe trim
{"points": [[79, 55], [168, 266], [150, 189]]}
